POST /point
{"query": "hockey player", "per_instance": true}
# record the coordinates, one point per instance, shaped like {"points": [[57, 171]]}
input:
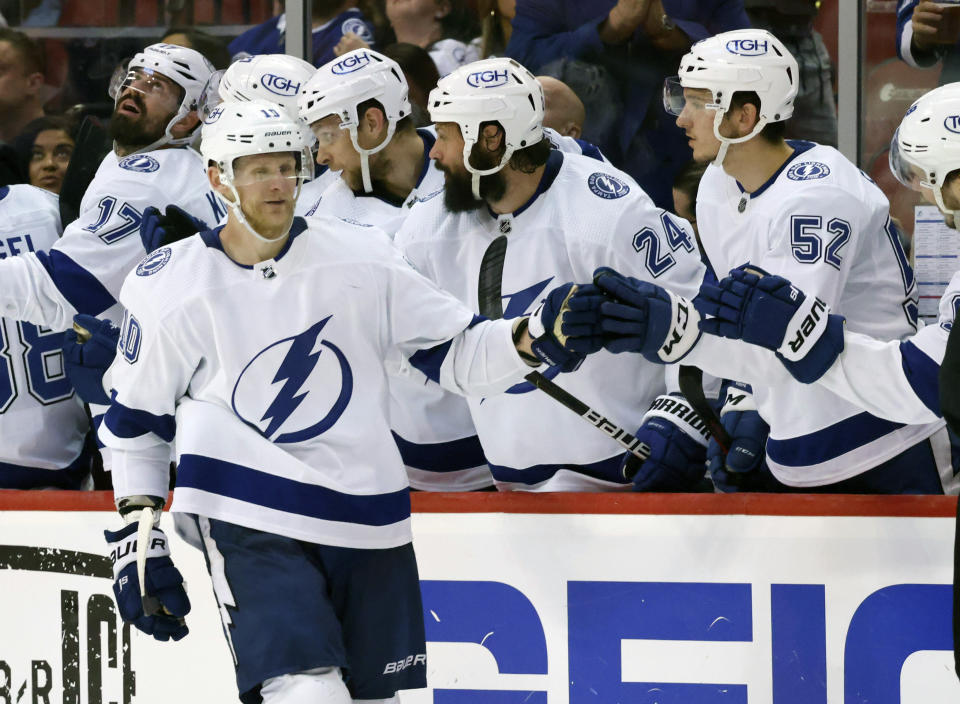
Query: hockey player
{"points": [[924, 155], [42, 423], [276, 78], [800, 210], [263, 342], [155, 109], [562, 215]]}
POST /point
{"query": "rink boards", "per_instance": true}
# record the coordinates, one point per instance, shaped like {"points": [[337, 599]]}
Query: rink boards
{"points": [[538, 599]]}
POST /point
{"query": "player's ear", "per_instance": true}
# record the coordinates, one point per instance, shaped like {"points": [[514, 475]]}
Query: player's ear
{"points": [[374, 123], [186, 125], [213, 176], [951, 190], [491, 138]]}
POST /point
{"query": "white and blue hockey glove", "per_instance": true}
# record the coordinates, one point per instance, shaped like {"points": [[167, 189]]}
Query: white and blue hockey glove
{"points": [[677, 438], [88, 351], [645, 318], [549, 326], [157, 230], [740, 468], [160, 609], [766, 310]]}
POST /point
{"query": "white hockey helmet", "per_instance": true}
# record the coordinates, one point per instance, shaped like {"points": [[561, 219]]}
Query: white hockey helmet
{"points": [[339, 86], [276, 78], [498, 90], [237, 129], [188, 68], [741, 60], [926, 146]]}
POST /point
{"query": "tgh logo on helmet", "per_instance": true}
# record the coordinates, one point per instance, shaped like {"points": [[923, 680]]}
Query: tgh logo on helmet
{"points": [[280, 85], [351, 64], [952, 123], [488, 79], [747, 47]]}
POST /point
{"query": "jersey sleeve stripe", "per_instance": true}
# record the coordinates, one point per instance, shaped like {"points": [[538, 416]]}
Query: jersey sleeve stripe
{"points": [[252, 486], [126, 422], [452, 456], [923, 374], [831, 442], [431, 359], [79, 286]]}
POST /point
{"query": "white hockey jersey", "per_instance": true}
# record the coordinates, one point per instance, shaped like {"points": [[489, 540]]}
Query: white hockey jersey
{"points": [[585, 214], [281, 420], [823, 224], [432, 427], [910, 370], [83, 271], [42, 421]]}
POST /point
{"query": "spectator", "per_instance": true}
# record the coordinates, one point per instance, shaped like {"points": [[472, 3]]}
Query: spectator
{"points": [[442, 27], [615, 55], [332, 20], [50, 141], [563, 110], [927, 33], [791, 21], [495, 27], [21, 82], [421, 74], [212, 47]]}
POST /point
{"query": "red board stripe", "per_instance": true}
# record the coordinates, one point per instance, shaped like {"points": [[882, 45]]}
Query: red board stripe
{"points": [[612, 503]]}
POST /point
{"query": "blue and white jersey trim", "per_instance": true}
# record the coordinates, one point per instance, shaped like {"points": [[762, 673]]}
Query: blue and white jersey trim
{"points": [[826, 455], [246, 496]]}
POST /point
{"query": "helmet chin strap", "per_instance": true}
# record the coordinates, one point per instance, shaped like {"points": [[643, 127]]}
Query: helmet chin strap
{"points": [[477, 173], [365, 153], [938, 194], [167, 138], [237, 209], [725, 142]]}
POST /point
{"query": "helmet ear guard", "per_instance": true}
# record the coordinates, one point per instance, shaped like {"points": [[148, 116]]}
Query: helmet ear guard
{"points": [[493, 90]]}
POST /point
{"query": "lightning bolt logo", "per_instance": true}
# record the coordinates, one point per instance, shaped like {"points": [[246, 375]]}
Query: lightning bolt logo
{"points": [[294, 371]]}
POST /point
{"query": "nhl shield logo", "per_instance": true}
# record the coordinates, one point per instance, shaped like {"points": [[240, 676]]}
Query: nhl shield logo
{"points": [[606, 186], [296, 388]]}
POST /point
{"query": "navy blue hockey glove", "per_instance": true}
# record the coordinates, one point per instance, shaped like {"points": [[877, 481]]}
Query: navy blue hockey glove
{"points": [[163, 581], [766, 310], [157, 230], [547, 327], [645, 318], [678, 448], [741, 468], [88, 351]]}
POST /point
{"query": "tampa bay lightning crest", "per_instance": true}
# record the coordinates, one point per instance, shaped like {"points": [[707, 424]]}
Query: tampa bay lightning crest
{"points": [[296, 388], [141, 163], [606, 186], [807, 171], [154, 262]]}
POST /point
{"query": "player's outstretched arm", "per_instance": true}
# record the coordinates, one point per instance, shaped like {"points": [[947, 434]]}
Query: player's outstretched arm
{"points": [[768, 311]]}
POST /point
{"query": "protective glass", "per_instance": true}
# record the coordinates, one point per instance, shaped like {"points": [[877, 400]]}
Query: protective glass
{"points": [[326, 134], [908, 174], [269, 168], [148, 82], [673, 100]]}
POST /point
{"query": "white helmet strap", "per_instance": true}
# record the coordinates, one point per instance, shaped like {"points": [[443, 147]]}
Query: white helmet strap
{"points": [[725, 142], [365, 153], [477, 173]]}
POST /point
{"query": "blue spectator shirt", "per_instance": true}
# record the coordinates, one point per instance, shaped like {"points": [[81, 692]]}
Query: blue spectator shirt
{"points": [[270, 37]]}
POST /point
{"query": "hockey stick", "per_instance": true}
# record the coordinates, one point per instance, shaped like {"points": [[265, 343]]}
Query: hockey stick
{"points": [[490, 302], [151, 604], [690, 380]]}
